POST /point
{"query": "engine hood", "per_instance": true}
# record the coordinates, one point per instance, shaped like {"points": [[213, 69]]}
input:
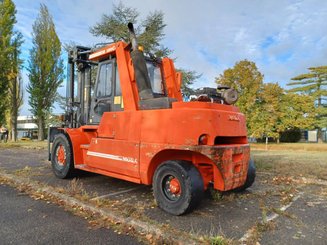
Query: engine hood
{"points": [[204, 105]]}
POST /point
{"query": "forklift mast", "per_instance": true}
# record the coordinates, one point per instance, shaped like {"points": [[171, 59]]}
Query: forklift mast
{"points": [[78, 91]]}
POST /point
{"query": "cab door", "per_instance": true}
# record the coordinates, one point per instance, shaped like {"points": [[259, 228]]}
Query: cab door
{"points": [[116, 156]]}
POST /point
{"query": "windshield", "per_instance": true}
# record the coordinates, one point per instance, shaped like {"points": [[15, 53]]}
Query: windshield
{"points": [[155, 76]]}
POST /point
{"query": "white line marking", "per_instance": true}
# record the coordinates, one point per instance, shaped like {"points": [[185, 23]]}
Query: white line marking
{"points": [[116, 193], [271, 217], [113, 157]]}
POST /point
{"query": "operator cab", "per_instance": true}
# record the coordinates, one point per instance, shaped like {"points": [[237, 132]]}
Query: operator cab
{"points": [[124, 80], [107, 96], [95, 86]]}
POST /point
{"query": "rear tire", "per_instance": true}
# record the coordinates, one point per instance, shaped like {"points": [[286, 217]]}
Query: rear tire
{"points": [[62, 157], [249, 178], [177, 186]]}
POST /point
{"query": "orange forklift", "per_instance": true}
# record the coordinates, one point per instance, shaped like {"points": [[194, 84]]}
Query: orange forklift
{"points": [[129, 122]]}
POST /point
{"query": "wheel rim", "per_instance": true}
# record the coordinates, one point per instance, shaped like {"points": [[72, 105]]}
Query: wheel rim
{"points": [[61, 155], [171, 188]]}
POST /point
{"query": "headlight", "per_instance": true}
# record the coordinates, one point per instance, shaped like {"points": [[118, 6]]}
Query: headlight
{"points": [[203, 139]]}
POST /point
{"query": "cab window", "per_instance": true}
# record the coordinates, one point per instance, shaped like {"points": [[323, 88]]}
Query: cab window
{"points": [[105, 80]]}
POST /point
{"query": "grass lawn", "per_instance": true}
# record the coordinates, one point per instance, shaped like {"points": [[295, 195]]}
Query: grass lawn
{"points": [[290, 146], [298, 159], [25, 144]]}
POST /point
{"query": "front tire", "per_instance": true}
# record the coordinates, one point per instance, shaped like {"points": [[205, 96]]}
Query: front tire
{"points": [[62, 157], [177, 186]]}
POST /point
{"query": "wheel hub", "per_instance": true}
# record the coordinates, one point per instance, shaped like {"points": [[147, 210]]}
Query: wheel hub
{"points": [[61, 155], [174, 186]]}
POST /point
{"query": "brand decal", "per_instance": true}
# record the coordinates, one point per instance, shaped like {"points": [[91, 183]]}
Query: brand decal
{"points": [[233, 118], [112, 157]]}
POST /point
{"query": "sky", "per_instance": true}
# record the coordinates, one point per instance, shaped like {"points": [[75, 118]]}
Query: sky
{"points": [[282, 37]]}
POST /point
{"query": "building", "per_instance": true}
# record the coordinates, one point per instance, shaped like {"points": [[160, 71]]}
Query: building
{"points": [[27, 127]]}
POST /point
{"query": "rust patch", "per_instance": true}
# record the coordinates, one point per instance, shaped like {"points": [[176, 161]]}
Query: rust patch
{"points": [[231, 160]]}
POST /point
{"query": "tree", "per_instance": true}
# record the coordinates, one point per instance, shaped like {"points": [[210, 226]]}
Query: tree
{"points": [[188, 78], [7, 21], [314, 84], [247, 80], [150, 33], [269, 111], [279, 111], [15, 91], [10, 63], [45, 68], [298, 111]]}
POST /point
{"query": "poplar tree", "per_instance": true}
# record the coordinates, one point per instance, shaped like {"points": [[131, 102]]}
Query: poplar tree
{"points": [[15, 90], [7, 22], [45, 68]]}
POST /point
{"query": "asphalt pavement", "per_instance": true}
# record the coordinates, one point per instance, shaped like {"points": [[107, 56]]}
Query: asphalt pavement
{"points": [[24, 220]]}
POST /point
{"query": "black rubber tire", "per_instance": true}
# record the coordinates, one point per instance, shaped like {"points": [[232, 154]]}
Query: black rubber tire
{"points": [[250, 178], [66, 170], [191, 184]]}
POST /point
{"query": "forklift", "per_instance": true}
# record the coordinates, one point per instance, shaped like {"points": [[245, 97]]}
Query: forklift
{"points": [[125, 118]]}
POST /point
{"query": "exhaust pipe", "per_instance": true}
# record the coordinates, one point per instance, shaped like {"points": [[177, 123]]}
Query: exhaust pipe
{"points": [[132, 36], [140, 69]]}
